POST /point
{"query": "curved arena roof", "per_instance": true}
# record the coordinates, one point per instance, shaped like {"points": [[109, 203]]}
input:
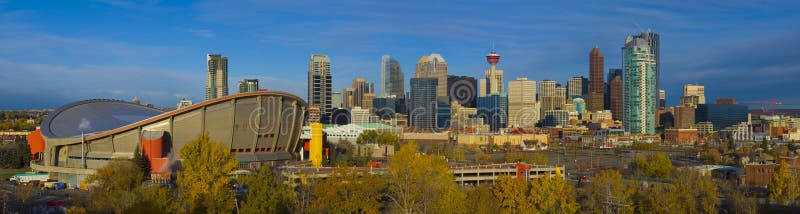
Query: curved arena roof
{"points": [[94, 116]]}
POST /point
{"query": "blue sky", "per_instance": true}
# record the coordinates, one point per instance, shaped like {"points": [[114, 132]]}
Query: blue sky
{"points": [[55, 52]]}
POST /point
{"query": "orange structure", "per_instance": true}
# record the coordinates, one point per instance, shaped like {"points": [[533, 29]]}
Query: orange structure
{"points": [[153, 149], [36, 143]]}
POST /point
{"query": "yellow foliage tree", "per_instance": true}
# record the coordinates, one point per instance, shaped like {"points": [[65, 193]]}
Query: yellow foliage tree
{"points": [[481, 200], [552, 195], [348, 191], [421, 183], [783, 186], [540, 195], [511, 194], [205, 181], [609, 192], [689, 192]]}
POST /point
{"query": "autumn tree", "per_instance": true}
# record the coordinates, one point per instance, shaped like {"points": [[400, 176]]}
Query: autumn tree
{"points": [[481, 200], [609, 192], [265, 194], [421, 183], [690, 192], [24, 193], [552, 195], [712, 156], [738, 202], [483, 157], [205, 181], [658, 165], [115, 186], [459, 154], [539, 158], [783, 186], [349, 191], [512, 194], [540, 195], [155, 199]]}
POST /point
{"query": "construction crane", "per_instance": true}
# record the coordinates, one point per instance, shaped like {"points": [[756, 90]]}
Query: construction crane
{"points": [[771, 102]]}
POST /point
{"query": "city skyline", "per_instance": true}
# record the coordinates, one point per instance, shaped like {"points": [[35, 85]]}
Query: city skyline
{"points": [[709, 49]]}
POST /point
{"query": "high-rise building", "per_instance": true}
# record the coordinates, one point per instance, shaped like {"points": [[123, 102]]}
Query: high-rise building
{"points": [[493, 79], [465, 119], [386, 107], [639, 87], [522, 108], [662, 98], [366, 101], [684, 117], [553, 118], [721, 115], [217, 76], [361, 87], [336, 100], [462, 89], [551, 96], [695, 90], [348, 98], [577, 86], [248, 85], [653, 41], [359, 115], [561, 92], [320, 83], [615, 93], [434, 66], [547, 88], [596, 90], [422, 114], [580, 106], [392, 80], [493, 109]]}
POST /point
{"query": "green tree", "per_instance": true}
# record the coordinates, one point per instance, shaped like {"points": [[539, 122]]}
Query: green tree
{"points": [[349, 191], [658, 165], [265, 194], [141, 162], [155, 199], [205, 181], [421, 183], [783, 186], [367, 137], [115, 186], [609, 192], [23, 155]]}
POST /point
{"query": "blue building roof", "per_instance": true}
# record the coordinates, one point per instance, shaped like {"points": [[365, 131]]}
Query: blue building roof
{"points": [[93, 116]]}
